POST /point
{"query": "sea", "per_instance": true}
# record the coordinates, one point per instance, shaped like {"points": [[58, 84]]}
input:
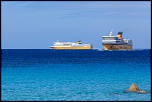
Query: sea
{"points": [[74, 75]]}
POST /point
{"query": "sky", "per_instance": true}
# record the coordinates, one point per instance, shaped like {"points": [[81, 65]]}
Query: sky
{"points": [[37, 24]]}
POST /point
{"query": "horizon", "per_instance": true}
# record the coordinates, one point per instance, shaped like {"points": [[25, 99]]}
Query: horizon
{"points": [[75, 49]]}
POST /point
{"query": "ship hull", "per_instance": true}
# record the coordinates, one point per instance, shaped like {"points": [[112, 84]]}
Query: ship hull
{"points": [[117, 47], [71, 47]]}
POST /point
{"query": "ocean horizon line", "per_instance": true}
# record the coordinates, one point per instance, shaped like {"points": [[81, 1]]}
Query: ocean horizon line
{"points": [[71, 49]]}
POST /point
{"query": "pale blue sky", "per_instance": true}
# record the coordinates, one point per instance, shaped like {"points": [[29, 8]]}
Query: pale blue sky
{"points": [[37, 24]]}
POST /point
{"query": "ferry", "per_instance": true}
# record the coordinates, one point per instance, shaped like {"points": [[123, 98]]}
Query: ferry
{"points": [[71, 46], [116, 42]]}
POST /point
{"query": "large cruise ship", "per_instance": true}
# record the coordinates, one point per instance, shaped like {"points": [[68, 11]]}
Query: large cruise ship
{"points": [[71, 46], [116, 42]]}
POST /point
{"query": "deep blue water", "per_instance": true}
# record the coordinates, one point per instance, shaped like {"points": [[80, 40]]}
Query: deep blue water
{"points": [[79, 75]]}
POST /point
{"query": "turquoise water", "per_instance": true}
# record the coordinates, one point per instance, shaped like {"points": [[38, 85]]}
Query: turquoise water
{"points": [[88, 75]]}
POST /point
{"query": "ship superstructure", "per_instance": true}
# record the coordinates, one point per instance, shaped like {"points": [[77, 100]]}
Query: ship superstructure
{"points": [[70, 46], [116, 42]]}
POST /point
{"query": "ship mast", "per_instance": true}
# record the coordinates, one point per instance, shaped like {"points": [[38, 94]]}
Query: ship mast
{"points": [[111, 33], [58, 40]]}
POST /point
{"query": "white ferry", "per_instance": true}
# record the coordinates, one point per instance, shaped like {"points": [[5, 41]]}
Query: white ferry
{"points": [[71, 46], [116, 42]]}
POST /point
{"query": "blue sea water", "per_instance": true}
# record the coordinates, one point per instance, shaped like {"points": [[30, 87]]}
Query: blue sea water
{"points": [[74, 75]]}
